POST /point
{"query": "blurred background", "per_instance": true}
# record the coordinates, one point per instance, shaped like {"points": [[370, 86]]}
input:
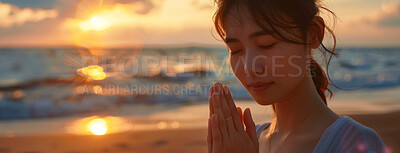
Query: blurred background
{"points": [[80, 76]]}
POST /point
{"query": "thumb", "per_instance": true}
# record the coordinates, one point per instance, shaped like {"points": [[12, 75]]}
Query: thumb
{"points": [[250, 126]]}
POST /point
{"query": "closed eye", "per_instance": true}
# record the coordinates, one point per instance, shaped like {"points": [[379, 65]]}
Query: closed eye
{"points": [[268, 46], [234, 52]]}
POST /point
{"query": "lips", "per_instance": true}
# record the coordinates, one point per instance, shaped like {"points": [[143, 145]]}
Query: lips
{"points": [[260, 86]]}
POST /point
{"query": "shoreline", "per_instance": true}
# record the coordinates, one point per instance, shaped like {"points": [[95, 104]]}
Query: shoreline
{"points": [[168, 140]]}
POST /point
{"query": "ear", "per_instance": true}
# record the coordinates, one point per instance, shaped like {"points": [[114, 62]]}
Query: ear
{"points": [[316, 32]]}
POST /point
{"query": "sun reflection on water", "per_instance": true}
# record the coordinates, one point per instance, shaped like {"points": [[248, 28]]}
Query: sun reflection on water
{"points": [[94, 72], [98, 126]]}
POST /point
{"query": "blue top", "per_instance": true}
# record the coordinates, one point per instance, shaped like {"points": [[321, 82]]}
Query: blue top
{"points": [[344, 135]]}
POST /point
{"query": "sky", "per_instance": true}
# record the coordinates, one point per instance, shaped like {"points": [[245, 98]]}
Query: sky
{"points": [[114, 23]]}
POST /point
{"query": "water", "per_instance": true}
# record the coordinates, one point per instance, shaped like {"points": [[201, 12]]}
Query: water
{"points": [[43, 83]]}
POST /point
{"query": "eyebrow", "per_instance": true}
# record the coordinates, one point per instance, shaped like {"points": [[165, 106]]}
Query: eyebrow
{"points": [[255, 34]]}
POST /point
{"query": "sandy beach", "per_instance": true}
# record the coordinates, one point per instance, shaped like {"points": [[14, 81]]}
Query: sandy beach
{"points": [[179, 129], [165, 141]]}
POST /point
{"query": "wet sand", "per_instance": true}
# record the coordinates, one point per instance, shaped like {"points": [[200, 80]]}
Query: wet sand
{"points": [[165, 141]]}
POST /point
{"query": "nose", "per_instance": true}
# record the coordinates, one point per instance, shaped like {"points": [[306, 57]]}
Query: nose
{"points": [[254, 63]]}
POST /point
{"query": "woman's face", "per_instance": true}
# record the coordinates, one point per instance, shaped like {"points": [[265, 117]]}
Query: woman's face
{"points": [[269, 68]]}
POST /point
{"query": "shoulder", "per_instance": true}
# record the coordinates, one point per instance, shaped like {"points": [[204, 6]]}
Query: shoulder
{"points": [[357, 137]]}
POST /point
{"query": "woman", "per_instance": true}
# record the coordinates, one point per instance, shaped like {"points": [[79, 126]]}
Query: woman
{"points": [[270, 44]]}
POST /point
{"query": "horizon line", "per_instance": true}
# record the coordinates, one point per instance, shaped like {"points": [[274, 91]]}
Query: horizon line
{"points": [[183, 45]]}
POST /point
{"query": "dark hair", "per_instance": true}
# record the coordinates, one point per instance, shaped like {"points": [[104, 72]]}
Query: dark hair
{"points": [[284, 15]]}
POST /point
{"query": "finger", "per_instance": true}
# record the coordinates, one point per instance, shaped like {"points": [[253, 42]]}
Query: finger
{"points": [[240, 113], [232, 107], [250, 126], [211, 108], [216, 134], [209, 136], [218, 111], [215, 87], [227, 113], [211, 90], [210, 105]]}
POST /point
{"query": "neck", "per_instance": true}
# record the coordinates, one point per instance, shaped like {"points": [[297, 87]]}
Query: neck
{"points": [[293, 111]]}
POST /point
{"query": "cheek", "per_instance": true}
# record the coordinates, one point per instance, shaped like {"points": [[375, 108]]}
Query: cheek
{"points": [[290, 68], [237, 67]]}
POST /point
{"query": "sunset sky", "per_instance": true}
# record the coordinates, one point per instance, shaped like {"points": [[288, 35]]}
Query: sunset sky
{"points": [[372, 23]]}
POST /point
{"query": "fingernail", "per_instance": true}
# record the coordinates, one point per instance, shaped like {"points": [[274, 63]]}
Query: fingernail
{"points": [[248, 109], [215, 118], [226, 89]]}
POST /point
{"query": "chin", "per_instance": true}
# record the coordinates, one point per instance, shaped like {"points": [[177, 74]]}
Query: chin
{"points": [[262, 99], [266, 96], [264, 102]]}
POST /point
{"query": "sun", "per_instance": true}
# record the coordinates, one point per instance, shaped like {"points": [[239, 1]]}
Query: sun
{"points": [[98, 126], [95, 23]]}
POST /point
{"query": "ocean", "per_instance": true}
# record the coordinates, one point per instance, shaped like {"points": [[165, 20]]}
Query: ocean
{"points": [[164, 86]]}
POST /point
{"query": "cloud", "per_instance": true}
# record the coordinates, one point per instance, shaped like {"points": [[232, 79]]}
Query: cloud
{"points": [[11, 15], [206, 5], [170, 15], [101, 19], [388, 17], [380, 27], [117, 22], [139, 6]]}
